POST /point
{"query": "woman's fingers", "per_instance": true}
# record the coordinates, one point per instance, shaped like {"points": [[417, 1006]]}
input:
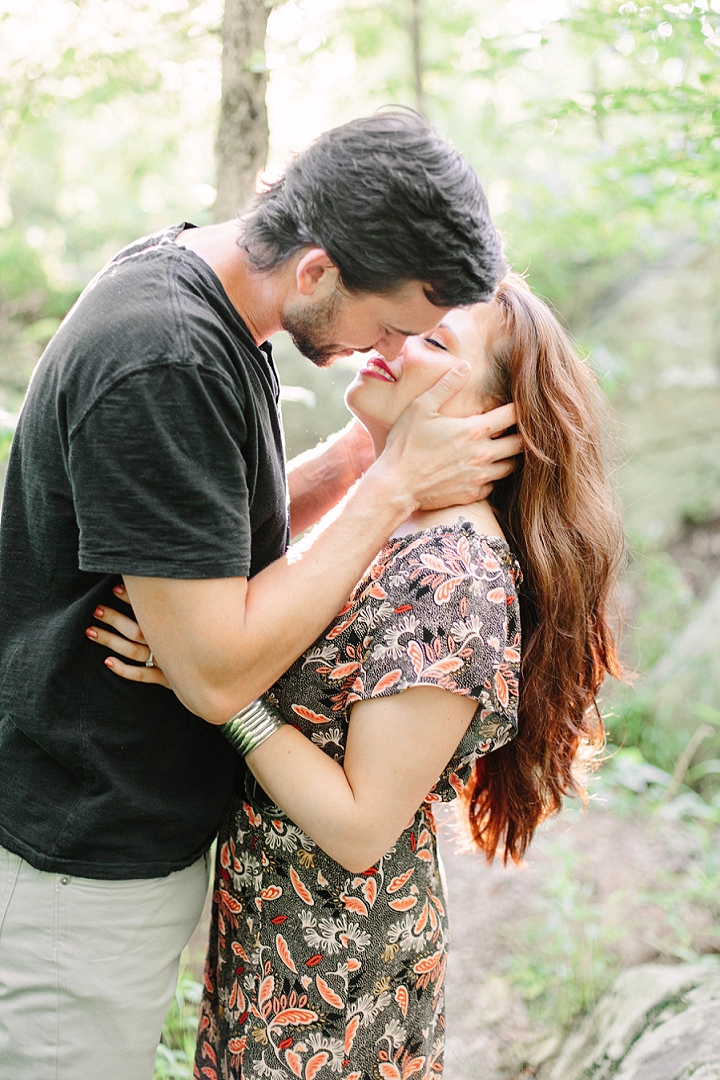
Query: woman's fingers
{"points": [[150, 675], [133, 650], [129, 641], [124, 625]]}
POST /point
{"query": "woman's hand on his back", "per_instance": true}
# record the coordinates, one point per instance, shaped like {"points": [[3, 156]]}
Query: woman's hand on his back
{"points": [[126, 639]]}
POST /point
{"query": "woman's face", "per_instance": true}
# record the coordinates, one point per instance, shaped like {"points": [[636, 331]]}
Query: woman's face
{"points": [[383, 389]]}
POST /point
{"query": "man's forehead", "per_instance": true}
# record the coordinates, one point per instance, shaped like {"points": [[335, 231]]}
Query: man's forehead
{"points": [[408, 310]]}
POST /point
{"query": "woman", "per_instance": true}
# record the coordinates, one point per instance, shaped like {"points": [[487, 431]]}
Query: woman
{"points": [[329, 936]]}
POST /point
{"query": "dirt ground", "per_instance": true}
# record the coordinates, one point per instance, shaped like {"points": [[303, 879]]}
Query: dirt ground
{"points": [[623, 873]]}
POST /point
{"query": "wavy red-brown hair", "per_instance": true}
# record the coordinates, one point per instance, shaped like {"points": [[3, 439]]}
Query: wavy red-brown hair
{"points": [[559, 515]]}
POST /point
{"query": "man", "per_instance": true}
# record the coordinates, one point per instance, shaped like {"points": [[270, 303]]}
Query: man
{"points": [[149, 448]]}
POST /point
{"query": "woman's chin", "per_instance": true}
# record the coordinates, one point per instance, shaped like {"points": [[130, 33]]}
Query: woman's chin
{"points": [[372, 419], [377, 429]]}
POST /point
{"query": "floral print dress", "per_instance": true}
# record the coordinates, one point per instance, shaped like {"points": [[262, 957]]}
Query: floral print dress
{"points": [[313, 971]]}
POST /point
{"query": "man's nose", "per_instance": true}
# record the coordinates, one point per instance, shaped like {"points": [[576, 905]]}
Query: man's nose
{"points": [[390, 345]]}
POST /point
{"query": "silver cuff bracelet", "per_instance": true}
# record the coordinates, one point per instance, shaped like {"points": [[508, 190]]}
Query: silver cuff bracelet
{"points": [[252, 726]]}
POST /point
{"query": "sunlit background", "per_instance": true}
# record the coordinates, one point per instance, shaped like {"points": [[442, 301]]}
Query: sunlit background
{"points": [[595, 128]]}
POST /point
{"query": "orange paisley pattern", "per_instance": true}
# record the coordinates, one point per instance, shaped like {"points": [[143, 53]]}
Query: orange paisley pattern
{"points": [[314, 972]]}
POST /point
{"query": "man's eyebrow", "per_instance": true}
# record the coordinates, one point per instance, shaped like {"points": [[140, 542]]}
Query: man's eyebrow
{"points": [[405, 333], [415, 333]]}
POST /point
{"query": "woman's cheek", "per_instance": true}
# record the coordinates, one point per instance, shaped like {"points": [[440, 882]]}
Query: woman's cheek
{"points": [[424, 377]]}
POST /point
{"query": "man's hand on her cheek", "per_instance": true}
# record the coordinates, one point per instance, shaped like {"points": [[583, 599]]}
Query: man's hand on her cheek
{"points": [[446, 461]]}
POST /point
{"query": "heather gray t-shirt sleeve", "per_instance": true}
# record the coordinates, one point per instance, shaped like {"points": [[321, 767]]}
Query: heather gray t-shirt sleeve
{"points": [[159, 478]]}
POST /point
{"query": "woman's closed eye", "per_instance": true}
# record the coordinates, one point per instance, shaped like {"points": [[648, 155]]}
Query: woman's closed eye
{"points": [[436, 343]]}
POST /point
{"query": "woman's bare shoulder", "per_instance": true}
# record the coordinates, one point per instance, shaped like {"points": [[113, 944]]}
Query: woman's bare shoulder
{"points": [[480, 516]]}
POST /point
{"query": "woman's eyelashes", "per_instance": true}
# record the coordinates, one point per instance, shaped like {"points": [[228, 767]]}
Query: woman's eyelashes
{"points": [[436, 343]]}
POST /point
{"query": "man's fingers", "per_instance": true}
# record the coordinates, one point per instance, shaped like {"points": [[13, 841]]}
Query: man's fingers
{"points": [[500, 419], [498, 470], [507, 446], [450, 461], [446, 387]]}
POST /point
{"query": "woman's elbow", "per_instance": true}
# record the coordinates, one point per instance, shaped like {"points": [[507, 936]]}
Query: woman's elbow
{"points": [[358, 853], [356, 864]]}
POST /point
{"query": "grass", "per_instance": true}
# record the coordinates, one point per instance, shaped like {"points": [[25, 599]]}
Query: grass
{"points": [[562, 957], [565, 961], [176, 1052]]}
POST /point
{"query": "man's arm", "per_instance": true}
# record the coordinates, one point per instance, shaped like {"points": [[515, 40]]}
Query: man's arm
{"points": [[223, 642], [319, 478]]}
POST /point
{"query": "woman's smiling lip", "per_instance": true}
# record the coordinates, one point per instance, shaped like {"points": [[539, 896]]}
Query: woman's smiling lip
{"points": [[376, 368]]}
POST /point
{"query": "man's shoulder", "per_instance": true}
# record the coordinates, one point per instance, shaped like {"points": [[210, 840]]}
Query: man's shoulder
{"points": [[145, 292], [156, 308], [150, 243], [154, 302]]}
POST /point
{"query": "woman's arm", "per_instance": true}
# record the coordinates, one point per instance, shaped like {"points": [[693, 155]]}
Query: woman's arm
{"points": [[397, 748]]}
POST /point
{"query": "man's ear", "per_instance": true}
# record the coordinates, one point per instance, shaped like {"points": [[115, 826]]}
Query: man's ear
{"points": [[316, 274]]}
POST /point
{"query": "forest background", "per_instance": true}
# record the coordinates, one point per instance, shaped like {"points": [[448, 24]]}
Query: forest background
{"points": [[595, 128]]}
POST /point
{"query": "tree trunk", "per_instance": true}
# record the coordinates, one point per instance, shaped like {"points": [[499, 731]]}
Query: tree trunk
{"points": [[242, 140], [417, 57]]}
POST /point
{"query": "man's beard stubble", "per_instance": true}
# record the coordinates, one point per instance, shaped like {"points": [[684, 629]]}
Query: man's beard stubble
{"points": [[310, 328]]}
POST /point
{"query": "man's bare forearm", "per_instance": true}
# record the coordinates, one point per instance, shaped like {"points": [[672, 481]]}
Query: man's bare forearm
{"points": [[223, 642], [319, 478]]}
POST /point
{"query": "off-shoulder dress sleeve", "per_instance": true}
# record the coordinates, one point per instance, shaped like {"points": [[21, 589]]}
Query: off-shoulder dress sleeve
{"points": [[446, 615]]}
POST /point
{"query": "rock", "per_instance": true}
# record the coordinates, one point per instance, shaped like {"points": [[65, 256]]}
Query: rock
{"points": [[657, 1022]]}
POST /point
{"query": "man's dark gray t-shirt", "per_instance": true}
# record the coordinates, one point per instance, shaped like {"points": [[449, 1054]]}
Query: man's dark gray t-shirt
{"points": [[149, 444]]}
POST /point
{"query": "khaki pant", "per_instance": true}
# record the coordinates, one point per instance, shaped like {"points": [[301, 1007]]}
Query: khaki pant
{"points": [[88, 969]]}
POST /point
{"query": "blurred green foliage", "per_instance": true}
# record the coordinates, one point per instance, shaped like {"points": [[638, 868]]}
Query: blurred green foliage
{"points": [[594, 124], [566, 961], [661, 601], [106, 125], [176, 1052]]}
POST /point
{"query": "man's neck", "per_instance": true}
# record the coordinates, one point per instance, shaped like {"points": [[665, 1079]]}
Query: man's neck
{"points": [[257, 297]]}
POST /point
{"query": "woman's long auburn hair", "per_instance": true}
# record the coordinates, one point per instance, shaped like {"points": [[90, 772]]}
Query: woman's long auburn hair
{"points": [[559, 515]]}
